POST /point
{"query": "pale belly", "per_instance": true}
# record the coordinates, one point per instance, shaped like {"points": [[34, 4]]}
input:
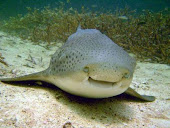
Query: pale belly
{"points": [[90, 88]]}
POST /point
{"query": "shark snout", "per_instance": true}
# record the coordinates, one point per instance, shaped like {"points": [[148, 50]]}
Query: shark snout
{"points": [[103, 72]]}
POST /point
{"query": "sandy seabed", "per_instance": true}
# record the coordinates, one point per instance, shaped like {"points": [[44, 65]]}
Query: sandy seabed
{"points": [[36, 104]]}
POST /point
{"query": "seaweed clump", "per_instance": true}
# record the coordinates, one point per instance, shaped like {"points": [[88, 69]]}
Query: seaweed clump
{"points": [[146, 35]]}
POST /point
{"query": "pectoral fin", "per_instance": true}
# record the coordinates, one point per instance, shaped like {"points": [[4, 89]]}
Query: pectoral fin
{"points": [[132, 92]]}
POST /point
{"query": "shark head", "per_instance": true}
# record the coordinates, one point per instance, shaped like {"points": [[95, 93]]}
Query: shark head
{"points": [[91, 65]]}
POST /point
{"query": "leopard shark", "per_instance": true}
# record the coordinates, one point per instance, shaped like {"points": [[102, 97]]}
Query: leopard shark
{"points": [[89, 65]]}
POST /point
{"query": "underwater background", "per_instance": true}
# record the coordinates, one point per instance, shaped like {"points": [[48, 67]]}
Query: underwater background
{"points": [[14, 7], [141, 27], [31, 31]]}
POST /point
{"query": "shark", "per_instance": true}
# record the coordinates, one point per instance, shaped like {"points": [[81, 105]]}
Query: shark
{"points": [[90, 65]]}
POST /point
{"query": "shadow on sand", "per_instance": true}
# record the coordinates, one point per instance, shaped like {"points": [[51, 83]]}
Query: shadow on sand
{"points": [[105, 111]]}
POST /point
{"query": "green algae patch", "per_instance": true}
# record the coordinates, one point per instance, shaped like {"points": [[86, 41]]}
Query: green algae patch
{"points": [[146, 35]]}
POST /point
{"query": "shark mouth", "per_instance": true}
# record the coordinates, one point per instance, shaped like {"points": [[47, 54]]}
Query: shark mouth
{"points": [[104, 84]]}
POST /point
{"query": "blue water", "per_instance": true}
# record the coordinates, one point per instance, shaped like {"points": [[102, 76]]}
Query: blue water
{"points": [[13, 7]]}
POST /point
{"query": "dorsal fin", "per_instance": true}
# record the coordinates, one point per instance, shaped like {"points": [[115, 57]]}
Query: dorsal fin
{"points": [[79, 27]]}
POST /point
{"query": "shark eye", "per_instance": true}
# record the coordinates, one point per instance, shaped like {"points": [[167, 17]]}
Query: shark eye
{"points": [[127, 75], [86, 69]]}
